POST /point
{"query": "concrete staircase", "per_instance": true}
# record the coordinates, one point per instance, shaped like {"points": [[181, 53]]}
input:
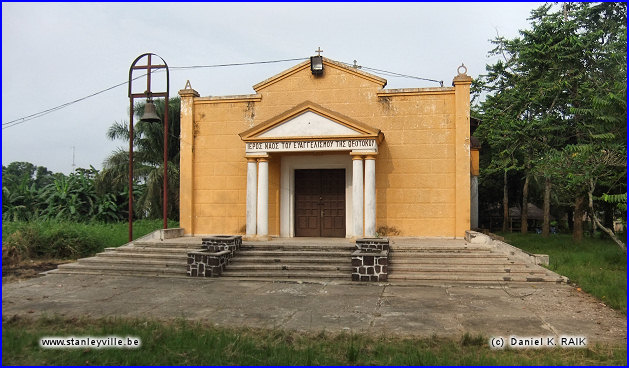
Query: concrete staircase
{"points": [[311, 259], [461, 262], [298, 260], [153, 258], [281, 260]]}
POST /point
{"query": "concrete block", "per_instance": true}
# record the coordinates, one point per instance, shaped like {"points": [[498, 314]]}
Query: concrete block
{"points": [[475, 237], [170, 233]]}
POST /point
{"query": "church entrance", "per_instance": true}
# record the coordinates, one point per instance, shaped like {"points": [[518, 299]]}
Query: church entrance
{"points": [[320, 203]]}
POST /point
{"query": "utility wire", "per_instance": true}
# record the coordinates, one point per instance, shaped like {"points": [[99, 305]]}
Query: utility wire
{"points": [[24, 119], [27, 118], [234, 64], [48, 111], [394, 74]]}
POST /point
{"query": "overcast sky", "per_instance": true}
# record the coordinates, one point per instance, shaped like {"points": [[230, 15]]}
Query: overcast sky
{"points": [[53, 53]]}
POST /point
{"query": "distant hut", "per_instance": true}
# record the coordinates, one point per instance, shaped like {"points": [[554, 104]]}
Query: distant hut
{"points": [[535, 218]]}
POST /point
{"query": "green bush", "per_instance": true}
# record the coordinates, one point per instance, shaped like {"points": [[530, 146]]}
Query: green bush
{"points": [[66, 240], [52, 240]]}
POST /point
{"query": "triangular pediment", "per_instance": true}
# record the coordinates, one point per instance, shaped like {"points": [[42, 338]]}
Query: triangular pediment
{"points": [[309, 121], [309, 124]]}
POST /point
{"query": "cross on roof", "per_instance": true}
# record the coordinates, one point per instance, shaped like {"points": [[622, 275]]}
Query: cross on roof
{"points": [[318, 51]]}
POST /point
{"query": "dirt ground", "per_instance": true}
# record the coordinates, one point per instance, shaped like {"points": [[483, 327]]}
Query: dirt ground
{"points": [[28, 269]]}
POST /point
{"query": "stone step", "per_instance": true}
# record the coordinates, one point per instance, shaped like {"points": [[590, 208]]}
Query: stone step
{"points": [[423, 248], [156, 250], [295, 249], [243, 258], [166, 244], [291, 253], [396, 259], [135, 261], [179, 269], [472, 277], [290, 267], [286, 274], [154, 256], [519, 269], [283, 248], [314, 261], [298, 280], [419, 255], [97, 272]]}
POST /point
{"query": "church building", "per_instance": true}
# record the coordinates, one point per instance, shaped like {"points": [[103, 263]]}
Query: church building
{"points": [[324, 150]]}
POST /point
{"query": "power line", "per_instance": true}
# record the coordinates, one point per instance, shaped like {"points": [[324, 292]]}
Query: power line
{"points": [[235, 64], [377, 71], [27, 118], [394, 74], [48, 111], [24, 119]]}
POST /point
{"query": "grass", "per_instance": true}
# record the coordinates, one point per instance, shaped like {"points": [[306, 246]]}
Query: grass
{"points": [[192, 343], [67, 240], [598, 266]]}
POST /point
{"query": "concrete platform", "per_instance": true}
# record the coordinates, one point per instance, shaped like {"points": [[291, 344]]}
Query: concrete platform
{"points": [[419, 310], [421, 260]]}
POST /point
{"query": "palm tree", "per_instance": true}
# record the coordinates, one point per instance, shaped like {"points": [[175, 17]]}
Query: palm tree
{"points": [[148, 161]]}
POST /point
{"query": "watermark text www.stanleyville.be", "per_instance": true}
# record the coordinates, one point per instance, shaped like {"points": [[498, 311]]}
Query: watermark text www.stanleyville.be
{"points": [[107, 342]]}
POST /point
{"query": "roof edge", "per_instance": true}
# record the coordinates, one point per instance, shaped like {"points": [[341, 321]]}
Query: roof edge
{"points": [[228, 98], [326, 62]]}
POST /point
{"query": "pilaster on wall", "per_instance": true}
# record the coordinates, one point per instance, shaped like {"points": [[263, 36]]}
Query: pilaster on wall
{"points": [[462, 145], [186, 159]]}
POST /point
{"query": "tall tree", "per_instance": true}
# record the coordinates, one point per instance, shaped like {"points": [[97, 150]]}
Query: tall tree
{"points": [[560, 88], [598, 109], [148, 160]]}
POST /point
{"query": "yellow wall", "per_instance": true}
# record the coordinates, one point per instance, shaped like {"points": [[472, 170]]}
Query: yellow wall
{"points": [[424, 153], [475, 162]]}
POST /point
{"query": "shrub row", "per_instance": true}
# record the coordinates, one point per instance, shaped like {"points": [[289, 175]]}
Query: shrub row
{"points": [[64, 239]]}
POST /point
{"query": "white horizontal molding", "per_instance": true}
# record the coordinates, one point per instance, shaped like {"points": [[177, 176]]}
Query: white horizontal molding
{"points": [[312, 145]]}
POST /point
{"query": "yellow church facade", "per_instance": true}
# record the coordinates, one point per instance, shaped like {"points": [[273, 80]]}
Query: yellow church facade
{"points": [[327, 151]]}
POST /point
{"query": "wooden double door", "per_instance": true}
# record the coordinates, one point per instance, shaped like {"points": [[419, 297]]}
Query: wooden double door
{"points": [[320, 203]]}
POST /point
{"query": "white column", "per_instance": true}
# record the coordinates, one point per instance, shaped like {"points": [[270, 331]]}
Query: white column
{"points": [[370, 195], [252, 195], [474, 204], [357, 195], [263, 197]]}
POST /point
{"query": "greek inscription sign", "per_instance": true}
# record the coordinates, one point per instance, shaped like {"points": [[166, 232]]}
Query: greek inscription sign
{"points": [[311, 145]]}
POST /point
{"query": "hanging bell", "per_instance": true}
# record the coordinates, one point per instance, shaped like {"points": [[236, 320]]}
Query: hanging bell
{"points": [[150, 115]]}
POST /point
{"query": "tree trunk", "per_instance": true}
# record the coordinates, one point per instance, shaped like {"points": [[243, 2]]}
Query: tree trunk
{"points": [[546, 225], [608, 217], [505, 204], [591, 222], [598, 223], [524, 228], [577, 227]]}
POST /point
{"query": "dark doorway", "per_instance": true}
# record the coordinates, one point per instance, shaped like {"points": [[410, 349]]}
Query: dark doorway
{"points": [[320, 203]]}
